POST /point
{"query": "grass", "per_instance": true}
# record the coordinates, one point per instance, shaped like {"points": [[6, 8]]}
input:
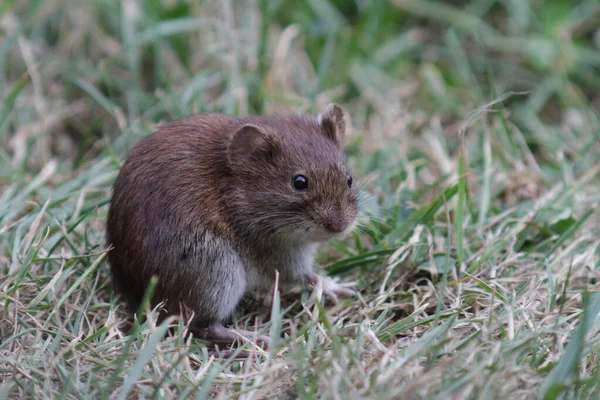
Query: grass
{"points": [[476, 132]]}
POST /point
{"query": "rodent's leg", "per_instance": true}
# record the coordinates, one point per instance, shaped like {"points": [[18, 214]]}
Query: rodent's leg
{"points": [[217, 332], [221, 283], [217, 281], [332, 289]]}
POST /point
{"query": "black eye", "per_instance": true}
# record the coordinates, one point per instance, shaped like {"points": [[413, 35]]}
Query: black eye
{"points": [[349, 178], [300, 182]]}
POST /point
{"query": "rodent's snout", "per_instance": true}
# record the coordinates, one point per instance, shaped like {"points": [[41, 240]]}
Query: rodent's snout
{"points": [[335, 226], [337, 222], [337, 218]]}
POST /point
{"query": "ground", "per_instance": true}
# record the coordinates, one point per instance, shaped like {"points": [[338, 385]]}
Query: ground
{"points": [[475, 136]]}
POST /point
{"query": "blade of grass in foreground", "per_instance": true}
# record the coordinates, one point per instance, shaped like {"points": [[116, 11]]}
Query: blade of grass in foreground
{"points": [[432, 339], [424, 214], [570, 232], [350, 263], [168, 28], [9, 100], [408, 323], [566, 370], [275, 332], [143, 359], [462, 193], [486, 189]]}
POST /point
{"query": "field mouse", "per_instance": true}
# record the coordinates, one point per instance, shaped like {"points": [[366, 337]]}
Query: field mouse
{"points": [[213, 205]]}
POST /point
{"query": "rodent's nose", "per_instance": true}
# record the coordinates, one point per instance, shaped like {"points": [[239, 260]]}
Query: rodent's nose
{"points": [[335, 226]]}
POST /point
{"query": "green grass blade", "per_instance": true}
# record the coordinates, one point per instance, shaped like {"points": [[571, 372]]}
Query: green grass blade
{"points": [[566, 370], [143, 358]]}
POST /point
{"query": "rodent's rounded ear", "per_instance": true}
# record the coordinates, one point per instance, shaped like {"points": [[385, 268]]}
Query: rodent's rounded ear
{"points": [[333, 123], [250, 140]]}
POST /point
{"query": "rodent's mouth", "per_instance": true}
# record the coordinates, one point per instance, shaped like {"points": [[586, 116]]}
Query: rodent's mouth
{"points": [[348, 229], [326, 234]]}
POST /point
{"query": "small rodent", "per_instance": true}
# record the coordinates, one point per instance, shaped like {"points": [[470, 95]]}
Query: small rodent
{"points": [[213, 205]]}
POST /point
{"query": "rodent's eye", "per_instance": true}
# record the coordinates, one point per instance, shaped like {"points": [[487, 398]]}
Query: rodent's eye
{"points": [[300, 182], [349, 179]]}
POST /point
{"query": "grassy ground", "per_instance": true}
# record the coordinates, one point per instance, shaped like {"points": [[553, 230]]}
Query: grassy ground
{"points": [[475, 127]]}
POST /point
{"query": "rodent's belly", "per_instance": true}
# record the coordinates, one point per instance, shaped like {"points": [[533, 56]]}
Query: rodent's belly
{"points": [[293, 264], [257, 280]]}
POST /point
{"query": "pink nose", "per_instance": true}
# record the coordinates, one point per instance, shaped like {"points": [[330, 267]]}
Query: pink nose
{"points": [[335, 227]]}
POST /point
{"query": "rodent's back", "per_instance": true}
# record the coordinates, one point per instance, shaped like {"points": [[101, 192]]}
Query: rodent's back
{"points": [[167, 188]]}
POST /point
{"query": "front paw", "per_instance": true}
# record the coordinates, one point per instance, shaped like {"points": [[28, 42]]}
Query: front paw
{"points": [[332, 289]]}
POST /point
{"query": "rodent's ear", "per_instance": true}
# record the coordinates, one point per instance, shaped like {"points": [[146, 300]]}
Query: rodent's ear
{"points": [[333, 124], [250, 140]]}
